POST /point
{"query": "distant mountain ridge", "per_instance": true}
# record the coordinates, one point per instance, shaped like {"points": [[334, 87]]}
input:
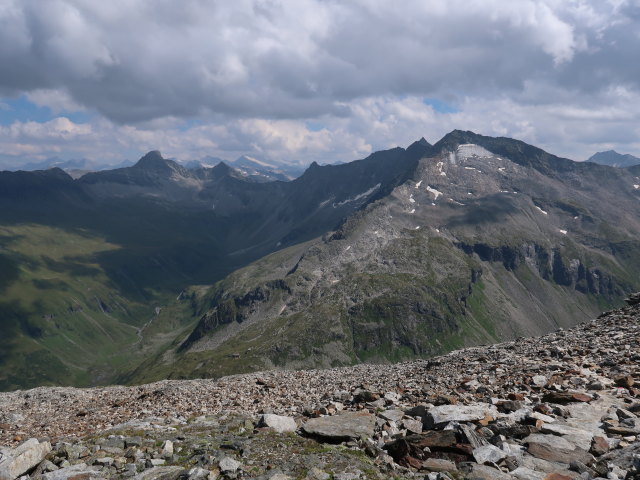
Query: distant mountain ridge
{"points": [[614, 159], [250, 167], [408, 252]]}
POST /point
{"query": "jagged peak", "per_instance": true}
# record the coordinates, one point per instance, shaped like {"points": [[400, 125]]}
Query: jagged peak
{"points": [[222, 169], [153, 159]]}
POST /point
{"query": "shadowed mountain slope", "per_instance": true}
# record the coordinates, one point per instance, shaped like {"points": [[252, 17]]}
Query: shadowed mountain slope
{"points": [[487, 239]]}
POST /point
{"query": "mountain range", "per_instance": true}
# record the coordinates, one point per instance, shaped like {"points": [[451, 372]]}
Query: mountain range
{"points": [[250, 167], [157, 270]]}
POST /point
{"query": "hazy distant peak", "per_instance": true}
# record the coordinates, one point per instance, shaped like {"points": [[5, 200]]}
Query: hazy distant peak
{"points": [[614, 159]]}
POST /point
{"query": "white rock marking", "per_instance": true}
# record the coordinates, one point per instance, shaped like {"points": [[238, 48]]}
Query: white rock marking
{"points": [[435, 192]]}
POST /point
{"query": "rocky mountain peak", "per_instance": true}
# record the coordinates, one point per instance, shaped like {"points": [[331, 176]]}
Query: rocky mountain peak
{"points": [[614, 159], [153, 160], [154, 163], [222, 169]]}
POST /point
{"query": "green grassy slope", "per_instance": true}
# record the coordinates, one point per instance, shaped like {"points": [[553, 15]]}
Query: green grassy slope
{"points": [[64, 320]]}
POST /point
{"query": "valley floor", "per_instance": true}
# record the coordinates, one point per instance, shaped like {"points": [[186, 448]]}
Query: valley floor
{"points": [[566, 403]]}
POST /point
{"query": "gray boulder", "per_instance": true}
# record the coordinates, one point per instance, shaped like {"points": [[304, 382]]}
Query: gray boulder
{"points": [[20, 460], [81, 470], [278, 423], [161, 473], [341, 427], [461, 413]]}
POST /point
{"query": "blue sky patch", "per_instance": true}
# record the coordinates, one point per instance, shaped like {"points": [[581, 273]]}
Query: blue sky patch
{"points": [[440, 106], [314, 126], [22, 110]]}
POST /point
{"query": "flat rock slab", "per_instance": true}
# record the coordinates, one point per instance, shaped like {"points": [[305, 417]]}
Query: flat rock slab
{"points": [[579, 438], [566, 397], [79, 471], [344, 426], [482, 472], [17, 461], [555, 449], [394, 415], [462, 413], [439, 465], [160, 473]]}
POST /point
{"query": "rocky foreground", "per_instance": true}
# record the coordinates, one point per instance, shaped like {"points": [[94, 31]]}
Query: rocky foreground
{"points": [[561, 406]]}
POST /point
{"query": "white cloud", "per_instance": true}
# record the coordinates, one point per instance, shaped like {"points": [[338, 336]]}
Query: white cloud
{"points": [[221, 78]]}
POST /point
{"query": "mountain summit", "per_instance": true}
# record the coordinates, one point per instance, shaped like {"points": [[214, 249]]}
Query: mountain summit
{"points": [[614, 159]]}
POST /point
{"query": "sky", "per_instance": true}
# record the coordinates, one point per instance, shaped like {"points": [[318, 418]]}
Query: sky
{"points": [[313, 80]]}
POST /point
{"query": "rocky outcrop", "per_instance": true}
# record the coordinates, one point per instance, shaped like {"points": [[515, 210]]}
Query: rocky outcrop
{"points": [[22, 459], [552, 265]]}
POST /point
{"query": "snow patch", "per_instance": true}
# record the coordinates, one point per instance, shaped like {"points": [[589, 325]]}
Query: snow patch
{"points": [[348, 248], [468, 150], [564, 232], [418, 228], [435, 192], [546, 213], [282, 309], [502, 169], [411, 199], [413, 210], [456, 202], [437, 230], [253, 160], [418, 184], [442, 174], [357, 197], [322, 204], [636, 187]]}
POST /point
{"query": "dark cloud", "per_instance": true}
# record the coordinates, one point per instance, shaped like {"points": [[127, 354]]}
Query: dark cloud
{"points": [[144, 59]]}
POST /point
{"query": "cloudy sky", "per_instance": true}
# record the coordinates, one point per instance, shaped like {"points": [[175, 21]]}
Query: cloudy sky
{"points": [[305, 80]]}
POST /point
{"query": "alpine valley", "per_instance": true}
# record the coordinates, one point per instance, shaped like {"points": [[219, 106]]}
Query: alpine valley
{"points": [[159, 271]]}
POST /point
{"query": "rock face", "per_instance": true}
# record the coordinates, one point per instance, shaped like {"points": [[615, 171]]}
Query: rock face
{"points": [[477, 413]]}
